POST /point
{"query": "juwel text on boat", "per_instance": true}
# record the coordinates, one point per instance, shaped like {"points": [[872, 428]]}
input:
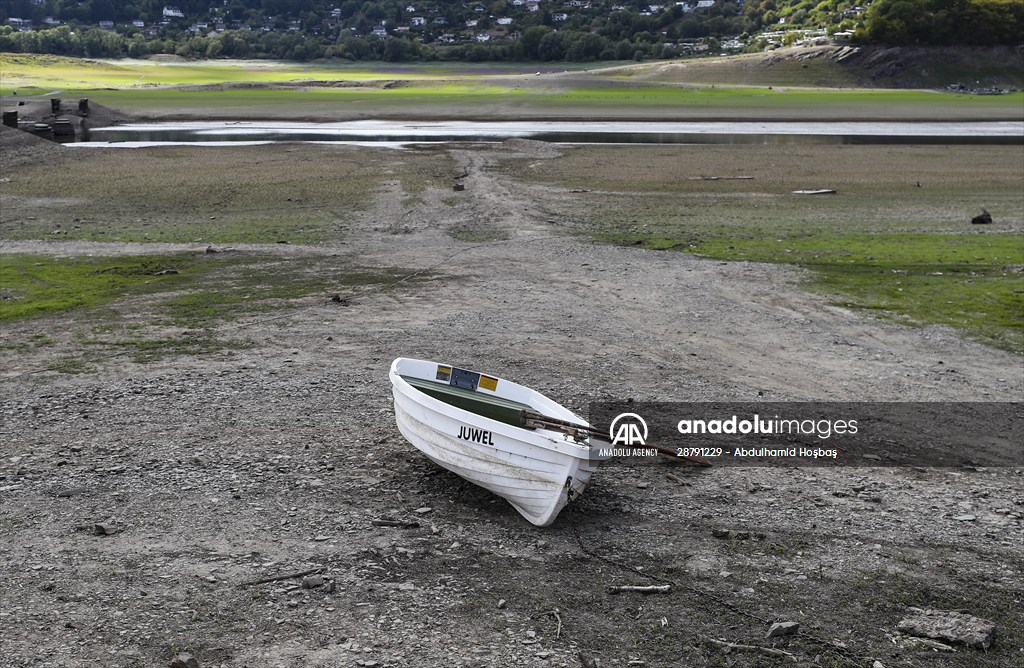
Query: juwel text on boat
{"points": [[481, 436]]}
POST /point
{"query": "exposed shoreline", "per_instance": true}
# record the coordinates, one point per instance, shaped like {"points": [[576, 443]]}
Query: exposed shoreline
{"points": [[163, 450]]}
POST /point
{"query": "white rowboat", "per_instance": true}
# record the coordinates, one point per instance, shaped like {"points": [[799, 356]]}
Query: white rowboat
{"points": [[469, 423]]}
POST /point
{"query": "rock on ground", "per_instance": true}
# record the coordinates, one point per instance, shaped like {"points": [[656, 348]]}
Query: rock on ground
{"points": [[954, 627]]}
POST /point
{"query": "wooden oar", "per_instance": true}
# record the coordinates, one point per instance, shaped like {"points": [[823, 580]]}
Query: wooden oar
{"points": [[581, 431]]}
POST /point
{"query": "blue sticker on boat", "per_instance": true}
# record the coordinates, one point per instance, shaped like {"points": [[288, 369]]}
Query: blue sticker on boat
{"points": [[465, 379]]}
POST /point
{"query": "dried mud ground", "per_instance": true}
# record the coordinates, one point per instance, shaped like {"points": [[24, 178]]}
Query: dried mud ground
{"points": [[273, 454]]}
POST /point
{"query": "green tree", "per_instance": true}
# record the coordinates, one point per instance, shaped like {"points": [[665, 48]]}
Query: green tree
{"points": [[478, 54], [551, 46], [942, 22], [530, 41], [396, 49]]}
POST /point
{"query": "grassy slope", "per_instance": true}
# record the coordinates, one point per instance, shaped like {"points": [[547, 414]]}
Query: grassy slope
{"points": [[969, 281], [871, 66], [36, 284], [302, 90], [460, 100], [44, 71], [219, 197], [883, 243], [186, 295], [226, 195]]}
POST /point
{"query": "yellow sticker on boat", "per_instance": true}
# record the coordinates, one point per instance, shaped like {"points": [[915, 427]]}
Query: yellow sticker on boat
{"points": [[488, 383], [444, 373]]}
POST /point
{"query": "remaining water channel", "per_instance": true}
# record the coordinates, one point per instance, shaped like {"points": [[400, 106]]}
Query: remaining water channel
{"points": [[697, 132]]}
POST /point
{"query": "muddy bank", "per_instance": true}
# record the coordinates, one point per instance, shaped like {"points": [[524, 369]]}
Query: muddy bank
{"points": [[274, 455], [33, 109]]}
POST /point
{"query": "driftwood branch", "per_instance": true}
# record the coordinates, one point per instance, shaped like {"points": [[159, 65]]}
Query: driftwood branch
{"points": [[721, 178], [395, 523], [278, 578], [644, 589], [752, 648], [558, 618]]}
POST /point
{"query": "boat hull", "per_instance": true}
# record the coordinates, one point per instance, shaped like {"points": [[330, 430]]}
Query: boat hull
{"points": [[537, 471]]}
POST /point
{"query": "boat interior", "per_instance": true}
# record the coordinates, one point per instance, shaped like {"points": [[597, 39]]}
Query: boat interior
{"points": [[486, 405]]}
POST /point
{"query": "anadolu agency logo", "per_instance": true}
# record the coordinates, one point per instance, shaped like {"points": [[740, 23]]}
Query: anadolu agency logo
{"points": [[628, 430], [628, 435]]}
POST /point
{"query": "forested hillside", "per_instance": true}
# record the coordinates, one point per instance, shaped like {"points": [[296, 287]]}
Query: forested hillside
{"points": [[945, 22], [516, 30]]}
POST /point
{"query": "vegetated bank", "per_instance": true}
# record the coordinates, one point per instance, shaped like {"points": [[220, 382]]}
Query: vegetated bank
{"points": [[595, 30], [896, 240], [967, 68]]}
